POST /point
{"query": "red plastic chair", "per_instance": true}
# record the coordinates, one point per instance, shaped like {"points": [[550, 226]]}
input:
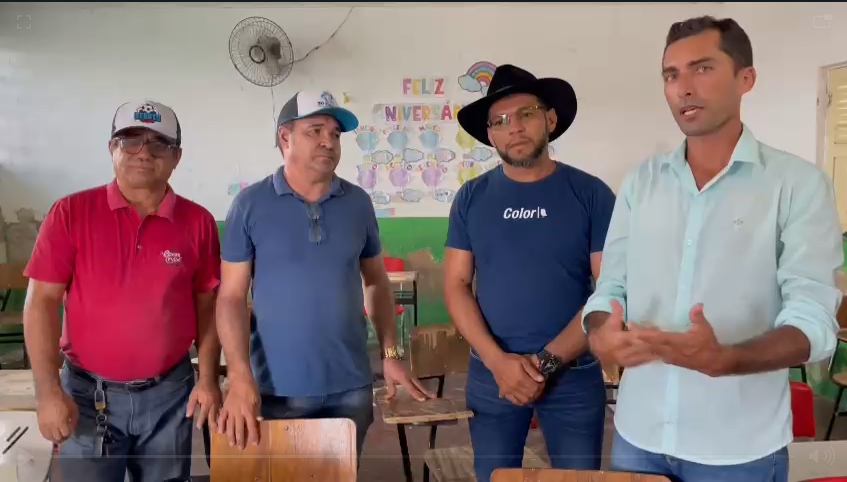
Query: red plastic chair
{"points": [[803, 411], [393, 264]]}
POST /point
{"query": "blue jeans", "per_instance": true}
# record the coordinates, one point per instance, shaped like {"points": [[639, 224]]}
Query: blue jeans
{"points": [[571, 412], [356, 405], [629, 458], [149, 435]]}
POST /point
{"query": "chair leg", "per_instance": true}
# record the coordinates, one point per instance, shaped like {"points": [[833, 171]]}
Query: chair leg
{"points": [[834, 413], [404, 452], [433, 429]]}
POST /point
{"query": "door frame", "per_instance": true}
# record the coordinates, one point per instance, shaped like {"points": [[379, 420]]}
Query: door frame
{"points": [[821, 154]]}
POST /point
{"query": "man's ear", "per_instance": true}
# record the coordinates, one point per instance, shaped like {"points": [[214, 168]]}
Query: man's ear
{"points": [[552, 120], [283, 136]]}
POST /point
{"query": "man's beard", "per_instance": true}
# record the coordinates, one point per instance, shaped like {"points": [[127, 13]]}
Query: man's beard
{"points": [[527, 161]]}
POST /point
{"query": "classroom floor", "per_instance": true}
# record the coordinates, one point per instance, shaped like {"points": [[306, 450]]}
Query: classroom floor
{"points": [[381, 460]]}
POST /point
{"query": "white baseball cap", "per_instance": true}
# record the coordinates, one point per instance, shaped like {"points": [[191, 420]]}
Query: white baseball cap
{"points": [[148, 114], [309, 103]]}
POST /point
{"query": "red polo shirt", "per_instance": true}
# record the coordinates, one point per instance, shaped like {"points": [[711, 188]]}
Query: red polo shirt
{"points": [[131, 281]]}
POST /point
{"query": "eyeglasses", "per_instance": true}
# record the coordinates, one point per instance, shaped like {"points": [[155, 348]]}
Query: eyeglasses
{"points": [[315, 229], [133, 145], [524, 114]]}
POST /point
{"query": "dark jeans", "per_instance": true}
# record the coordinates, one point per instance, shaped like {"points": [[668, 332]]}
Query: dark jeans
{"points": [[629, 458], [356, 405], [571, 412], [150, 435]]}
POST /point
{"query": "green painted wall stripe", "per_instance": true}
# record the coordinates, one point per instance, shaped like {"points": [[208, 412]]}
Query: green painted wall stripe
{"points": [[404, 236]]}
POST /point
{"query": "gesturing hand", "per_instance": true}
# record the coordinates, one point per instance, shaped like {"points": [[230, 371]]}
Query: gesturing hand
{"points": [[519, 380], [615, 346], [696, 349]]}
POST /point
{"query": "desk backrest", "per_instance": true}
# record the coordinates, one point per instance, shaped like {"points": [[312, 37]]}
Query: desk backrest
{"points": [[556, 475], [12, 277], [437, 350], [314, 449]]}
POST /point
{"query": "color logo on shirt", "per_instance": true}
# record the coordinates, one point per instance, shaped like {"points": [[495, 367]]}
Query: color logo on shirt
{"points": [[171, 258], [523, 213]]}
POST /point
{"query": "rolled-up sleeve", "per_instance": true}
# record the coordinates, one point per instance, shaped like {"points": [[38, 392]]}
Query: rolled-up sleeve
{"points": [[811, 254], [612, 282]]}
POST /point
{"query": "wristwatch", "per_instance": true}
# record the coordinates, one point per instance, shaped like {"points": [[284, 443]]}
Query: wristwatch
{"points": [[394, 352], [548, 364]]}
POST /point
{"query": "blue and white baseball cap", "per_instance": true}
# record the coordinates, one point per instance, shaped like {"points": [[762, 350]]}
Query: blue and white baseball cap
{"points": [[309, 103], [148, 114]]}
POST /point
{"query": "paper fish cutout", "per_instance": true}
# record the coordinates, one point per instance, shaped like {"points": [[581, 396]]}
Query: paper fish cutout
{"points": [[412, 155], [380, 197], [412, 195], [444, 195], [382, 157]]}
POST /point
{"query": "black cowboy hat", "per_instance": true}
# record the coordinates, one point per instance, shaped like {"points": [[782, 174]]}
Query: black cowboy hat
{"points": [[556, 94]]}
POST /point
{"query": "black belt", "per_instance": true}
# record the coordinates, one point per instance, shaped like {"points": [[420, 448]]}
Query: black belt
{"points": [[582, 360], [132, 385]]}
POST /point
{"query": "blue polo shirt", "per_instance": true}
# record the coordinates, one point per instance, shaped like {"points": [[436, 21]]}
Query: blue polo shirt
{"points": [[308, 333], [531, 244]]}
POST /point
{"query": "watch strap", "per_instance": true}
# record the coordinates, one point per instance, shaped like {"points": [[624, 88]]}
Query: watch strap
{"points": [[394, 352]]}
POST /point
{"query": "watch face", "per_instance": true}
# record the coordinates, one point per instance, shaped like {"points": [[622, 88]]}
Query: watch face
{"points": [[548, 365]]}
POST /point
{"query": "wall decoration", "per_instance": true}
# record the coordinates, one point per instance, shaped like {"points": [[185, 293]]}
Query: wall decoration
{"points": [[421, 87], [415, 113], [236, 188], [478, 77], [416, 170]]}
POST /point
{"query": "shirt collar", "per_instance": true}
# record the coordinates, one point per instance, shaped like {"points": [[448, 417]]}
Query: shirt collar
{"points": [[117, 201], [282, 187], [746, 150]]}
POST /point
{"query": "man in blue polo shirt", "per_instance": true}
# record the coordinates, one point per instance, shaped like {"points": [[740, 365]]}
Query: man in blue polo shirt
{"points": [[531, 233], [307, 240]]}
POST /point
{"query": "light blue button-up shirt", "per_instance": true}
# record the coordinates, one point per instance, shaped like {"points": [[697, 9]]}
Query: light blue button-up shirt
{"points": [[759, 246]]}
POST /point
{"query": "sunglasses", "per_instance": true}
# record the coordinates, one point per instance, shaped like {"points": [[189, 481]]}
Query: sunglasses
{"points": [[315, 212]]}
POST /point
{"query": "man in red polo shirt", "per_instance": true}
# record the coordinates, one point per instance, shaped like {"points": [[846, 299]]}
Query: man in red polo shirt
{"points": [[137, 267]]}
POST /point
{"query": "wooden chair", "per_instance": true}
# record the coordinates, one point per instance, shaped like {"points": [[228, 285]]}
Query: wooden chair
{"points": [[434, 352], [840, 381], [556, 475], [313, 449], [11, 323], [612, 380], [11, 278]]}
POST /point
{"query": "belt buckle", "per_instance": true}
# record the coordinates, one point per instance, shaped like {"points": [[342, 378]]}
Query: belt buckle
{"points": [[138, 384]]}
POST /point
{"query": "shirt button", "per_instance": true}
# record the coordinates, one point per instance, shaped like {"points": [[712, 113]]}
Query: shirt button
{"points": [[138, 247], [690, 242]]}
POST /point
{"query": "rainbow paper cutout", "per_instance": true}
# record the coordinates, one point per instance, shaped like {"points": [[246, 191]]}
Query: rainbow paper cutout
{"points": [[478, 77]]}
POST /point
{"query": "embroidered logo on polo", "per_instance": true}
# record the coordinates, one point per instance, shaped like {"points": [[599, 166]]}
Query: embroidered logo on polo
{"points": [[147, 114], [524, 213], [172, 258]]}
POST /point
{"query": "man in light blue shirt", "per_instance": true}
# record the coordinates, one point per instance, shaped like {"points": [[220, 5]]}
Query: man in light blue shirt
{"points": [[720, 259]]}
